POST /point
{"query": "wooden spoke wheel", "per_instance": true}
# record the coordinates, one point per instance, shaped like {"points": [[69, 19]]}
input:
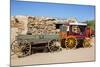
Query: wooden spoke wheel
{"points": [[15, 47], [21, 48], [86, 43], [52, 46], [70, 43]]}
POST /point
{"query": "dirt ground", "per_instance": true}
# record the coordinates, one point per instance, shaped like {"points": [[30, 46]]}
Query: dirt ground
{"points": [[64, 56]]}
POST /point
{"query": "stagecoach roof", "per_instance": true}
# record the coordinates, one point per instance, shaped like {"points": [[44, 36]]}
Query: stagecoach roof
{"points": [[77, 24]]}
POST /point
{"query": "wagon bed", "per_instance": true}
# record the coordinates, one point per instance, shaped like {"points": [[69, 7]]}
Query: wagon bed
{"points": [[38, 38]]}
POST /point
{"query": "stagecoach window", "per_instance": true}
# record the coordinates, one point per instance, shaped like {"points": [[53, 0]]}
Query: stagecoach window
{"points": [[58, 26], [78, 29], [64, 28]]}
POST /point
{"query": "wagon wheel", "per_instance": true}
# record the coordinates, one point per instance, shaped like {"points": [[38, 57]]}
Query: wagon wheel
{"points": [[25, 48], [86, 43], [52, 46], [21, 48], [15, 47], [70, 43]]}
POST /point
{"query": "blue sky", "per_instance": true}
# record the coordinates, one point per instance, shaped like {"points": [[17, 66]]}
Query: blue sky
{"points": [[81, 12]]}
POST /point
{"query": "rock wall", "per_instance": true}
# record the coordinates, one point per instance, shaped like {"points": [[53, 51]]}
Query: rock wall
{"points": [[41, 25]]}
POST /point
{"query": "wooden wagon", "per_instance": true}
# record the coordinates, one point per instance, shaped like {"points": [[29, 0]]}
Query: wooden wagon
{"points": [[25, 45]]}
